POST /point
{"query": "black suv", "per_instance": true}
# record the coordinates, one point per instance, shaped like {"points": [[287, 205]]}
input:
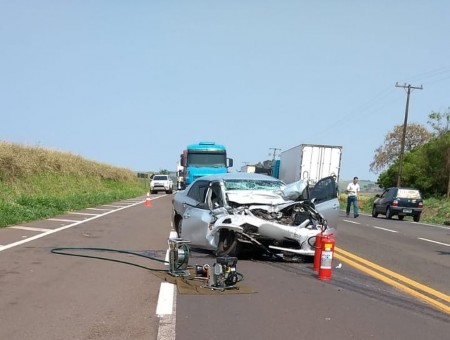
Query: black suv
{"points": [[399, 201]]}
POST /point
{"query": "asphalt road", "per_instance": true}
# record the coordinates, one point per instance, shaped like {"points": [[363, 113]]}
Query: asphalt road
{"points": [[48, 296]]}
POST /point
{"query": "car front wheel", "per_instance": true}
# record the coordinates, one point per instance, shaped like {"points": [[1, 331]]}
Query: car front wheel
{"points": [[228, 244], [177, 224]]}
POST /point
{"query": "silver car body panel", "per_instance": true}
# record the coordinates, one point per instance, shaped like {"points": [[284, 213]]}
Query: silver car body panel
{"points": [[256, 215]]}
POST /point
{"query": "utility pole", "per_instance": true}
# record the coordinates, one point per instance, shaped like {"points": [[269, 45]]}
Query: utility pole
{"points": [[405, 123], [274, 153]]}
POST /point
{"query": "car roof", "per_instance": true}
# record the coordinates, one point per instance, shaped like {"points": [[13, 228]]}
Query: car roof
{"points": [[407, 188], [239, 175]]}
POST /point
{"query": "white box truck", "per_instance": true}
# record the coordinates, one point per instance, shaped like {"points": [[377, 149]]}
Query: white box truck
{"points": [[311, 162]]}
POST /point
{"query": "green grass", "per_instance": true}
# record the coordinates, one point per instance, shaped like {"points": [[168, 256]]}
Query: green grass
{"points": [[46, 199], [36, 183]]}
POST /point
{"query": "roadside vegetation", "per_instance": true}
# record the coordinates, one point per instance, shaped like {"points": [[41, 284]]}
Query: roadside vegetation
{"points": [[38, 183], [435, 211], [425, 166]]}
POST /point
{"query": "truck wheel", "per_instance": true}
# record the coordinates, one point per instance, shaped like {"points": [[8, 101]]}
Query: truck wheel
{"points": [[228, 244], [416, 218]]}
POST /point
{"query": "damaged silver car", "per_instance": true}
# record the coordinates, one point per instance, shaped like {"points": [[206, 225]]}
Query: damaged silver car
{"points": [[236, 212]]}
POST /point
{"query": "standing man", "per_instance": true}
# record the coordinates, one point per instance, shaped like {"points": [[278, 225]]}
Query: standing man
{"points": [[353, 193]]}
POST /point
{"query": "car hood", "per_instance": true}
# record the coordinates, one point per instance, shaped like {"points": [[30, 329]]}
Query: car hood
{"points": [[290, 192]]}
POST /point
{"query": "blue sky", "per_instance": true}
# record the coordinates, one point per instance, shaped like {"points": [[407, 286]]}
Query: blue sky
{"points": [[131, 83]]}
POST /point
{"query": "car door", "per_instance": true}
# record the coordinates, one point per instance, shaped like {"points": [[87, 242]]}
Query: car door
{"points": [[197, 215], [385, 200], [326, 201]]}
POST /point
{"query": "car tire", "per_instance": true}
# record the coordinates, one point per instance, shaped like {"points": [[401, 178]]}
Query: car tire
{"points": [[374, 212], [228, 244], [416, 218], [388, 213], [152, 192], [177, 225]]}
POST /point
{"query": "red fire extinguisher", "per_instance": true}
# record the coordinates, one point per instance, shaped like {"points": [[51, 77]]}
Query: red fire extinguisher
{"points": [[326, 257], [317, 251]]}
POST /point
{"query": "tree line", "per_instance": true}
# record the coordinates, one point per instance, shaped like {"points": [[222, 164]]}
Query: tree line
{"points": [[426, 161]]}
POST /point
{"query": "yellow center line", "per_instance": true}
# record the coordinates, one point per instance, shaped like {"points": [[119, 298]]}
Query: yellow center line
{"points": [[351, 259]]}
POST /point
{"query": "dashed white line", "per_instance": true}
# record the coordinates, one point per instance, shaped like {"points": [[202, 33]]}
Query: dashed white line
{"points": [[81, 213], [352, 222], [165, 299], [166, 311], [441, 243], [61, 220], [29, 228], [108, 211], [390, 230]]}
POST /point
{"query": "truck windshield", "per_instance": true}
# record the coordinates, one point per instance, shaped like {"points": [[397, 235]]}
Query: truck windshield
{"points": [[207, 159]]}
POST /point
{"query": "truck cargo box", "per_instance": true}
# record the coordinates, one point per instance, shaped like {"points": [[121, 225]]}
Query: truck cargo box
{"points": [[310, 162]]}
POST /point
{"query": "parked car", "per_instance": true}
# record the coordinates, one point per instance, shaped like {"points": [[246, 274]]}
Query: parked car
{"points": [[399, 201], [161, 183], [235, 212]]}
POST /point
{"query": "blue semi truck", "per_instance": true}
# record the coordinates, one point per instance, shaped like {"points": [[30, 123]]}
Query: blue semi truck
{"points": [[202, 159]]}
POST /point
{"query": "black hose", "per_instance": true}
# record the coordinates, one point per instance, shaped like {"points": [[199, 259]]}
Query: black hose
{"points": [[63, 251]]}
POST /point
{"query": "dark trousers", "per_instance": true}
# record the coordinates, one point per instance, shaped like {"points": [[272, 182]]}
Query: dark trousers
{"points": [[352, 200]]}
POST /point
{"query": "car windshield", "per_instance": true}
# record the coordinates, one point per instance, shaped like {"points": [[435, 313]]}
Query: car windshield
{"points": [[160, 177], [408, 193], [240, 184]]}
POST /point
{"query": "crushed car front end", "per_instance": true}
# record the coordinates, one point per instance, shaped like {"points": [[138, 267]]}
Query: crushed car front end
{"points": [[272, 223]]}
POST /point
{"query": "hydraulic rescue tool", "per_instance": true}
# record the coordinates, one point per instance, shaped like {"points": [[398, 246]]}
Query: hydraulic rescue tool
{"points": [[178, 257]]}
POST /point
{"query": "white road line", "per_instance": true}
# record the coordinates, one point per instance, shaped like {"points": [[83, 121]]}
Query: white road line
{"points": [[434, 225], [165, 299], [61, 220], [14, 244], [98, 209], [166, 311], [442, 244], [352, 222], [29, 228], [80, 213], [390, 230], [113, 206]]}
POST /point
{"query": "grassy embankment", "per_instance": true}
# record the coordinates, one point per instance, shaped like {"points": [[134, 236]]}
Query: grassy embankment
{"points": [[38, 183], [435, 211]]}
